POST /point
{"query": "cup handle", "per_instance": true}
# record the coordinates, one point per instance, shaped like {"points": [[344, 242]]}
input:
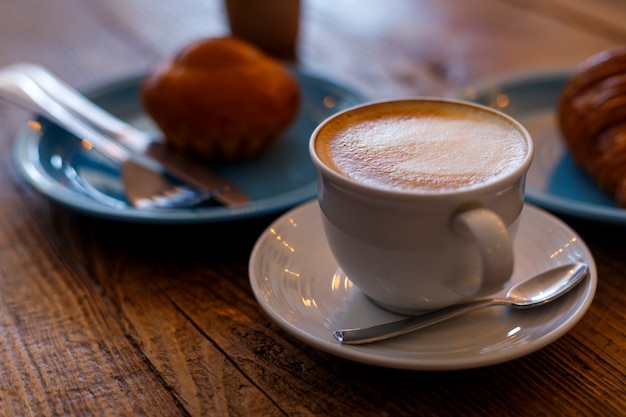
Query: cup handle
{"points": [[494, 244]]}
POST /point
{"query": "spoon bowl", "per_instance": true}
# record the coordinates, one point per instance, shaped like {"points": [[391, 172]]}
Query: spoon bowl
{"points": [[546, 286], [538, 290]]}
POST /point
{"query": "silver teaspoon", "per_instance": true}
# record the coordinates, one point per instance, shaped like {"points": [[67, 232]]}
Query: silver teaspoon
{"points": [[540, 289]]}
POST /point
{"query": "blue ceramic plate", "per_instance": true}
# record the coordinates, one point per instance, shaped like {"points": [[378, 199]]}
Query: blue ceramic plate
{"points": [[554, 181], [52, 161]]}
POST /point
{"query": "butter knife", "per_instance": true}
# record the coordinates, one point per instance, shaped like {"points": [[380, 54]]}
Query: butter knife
{"points": [[150, 154]]}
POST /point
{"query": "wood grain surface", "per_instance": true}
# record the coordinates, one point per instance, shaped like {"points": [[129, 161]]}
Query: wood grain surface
{"points": [[109, 318]]}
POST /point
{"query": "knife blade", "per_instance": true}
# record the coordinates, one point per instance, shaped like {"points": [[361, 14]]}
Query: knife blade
{"points": [[197, 174], [94, 122]]}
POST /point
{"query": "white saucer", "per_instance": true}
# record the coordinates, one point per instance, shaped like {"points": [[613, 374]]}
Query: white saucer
{"points": [[297, 282], [55, 163]]}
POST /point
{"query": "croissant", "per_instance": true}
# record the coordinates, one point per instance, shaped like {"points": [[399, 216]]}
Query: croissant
{"points": [[591, 115]]}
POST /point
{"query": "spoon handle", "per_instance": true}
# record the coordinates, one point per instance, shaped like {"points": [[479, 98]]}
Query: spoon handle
{"points": [[396, 328]]}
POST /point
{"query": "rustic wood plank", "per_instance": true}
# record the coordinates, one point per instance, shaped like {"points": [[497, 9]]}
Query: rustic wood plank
{"points": [[106, 318], [64, 350]]}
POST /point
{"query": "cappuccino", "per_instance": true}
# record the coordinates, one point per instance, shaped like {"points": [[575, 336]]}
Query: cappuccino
{"points": [[421, 145]]}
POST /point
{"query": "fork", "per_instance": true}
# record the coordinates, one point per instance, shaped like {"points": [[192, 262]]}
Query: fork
{"points": [[22, 84]]}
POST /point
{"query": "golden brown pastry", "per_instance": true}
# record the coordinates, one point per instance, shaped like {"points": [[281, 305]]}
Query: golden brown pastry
{"points": [[221, 99], [591, 114]]}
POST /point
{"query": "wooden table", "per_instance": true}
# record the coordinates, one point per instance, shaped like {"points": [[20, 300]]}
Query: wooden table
{"points": [[106, 318]]}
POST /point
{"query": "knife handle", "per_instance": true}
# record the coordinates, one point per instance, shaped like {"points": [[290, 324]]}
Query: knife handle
{"points": [[19, 88], [82, 107]]}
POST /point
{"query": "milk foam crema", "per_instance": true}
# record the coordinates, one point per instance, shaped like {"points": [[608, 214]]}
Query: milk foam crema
{"points": [[421, 146]]}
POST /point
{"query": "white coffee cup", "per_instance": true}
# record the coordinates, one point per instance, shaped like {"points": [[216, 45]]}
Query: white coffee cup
{"points": [[420, 198]]}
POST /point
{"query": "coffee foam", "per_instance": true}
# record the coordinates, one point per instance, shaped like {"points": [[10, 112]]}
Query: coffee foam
{"points": [[428, 148]]}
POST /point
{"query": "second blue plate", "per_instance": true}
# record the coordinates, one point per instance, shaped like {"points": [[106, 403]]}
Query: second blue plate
{"points": [[554, 181]]}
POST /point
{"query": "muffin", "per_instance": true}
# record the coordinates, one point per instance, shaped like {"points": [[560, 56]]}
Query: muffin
{"points": [[221, 99]]}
